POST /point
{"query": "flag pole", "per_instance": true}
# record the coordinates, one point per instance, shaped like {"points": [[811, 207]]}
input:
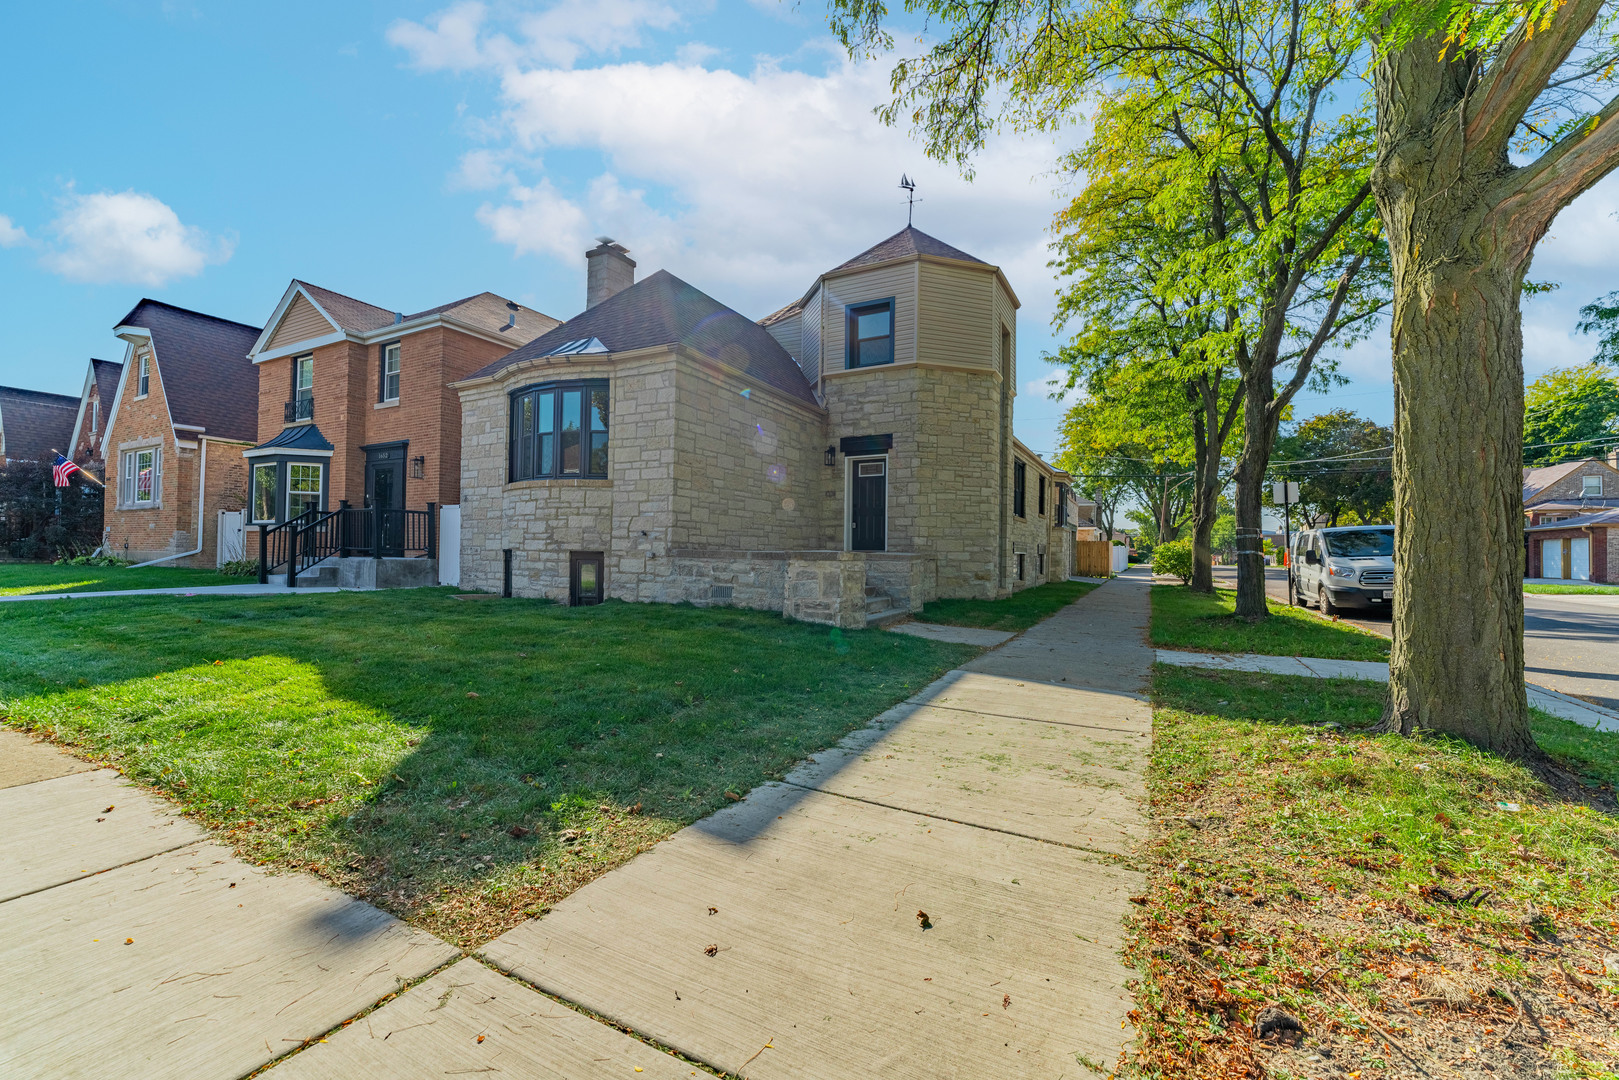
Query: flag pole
{"points": [[82, 472]]}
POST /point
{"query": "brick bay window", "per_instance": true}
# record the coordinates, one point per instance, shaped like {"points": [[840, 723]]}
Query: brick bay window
{"points": [[390, 372], [138, 478], [870, 334], [559, 430]]}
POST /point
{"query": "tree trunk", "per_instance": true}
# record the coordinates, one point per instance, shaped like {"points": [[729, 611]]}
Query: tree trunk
{"points": [[1457, 662], [1258, 440]]}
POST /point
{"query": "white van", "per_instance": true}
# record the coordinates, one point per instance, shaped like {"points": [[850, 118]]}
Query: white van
{"points": [[1347, 567]]}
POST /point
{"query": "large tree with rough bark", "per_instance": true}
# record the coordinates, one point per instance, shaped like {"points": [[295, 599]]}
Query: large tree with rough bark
{"points": [[1490, 119]]}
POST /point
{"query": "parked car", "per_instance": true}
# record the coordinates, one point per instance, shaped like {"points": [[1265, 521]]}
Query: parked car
{"points": [[1347, 567]]}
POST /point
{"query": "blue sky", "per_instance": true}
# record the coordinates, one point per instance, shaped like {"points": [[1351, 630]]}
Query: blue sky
{"points": [[409, 154]]}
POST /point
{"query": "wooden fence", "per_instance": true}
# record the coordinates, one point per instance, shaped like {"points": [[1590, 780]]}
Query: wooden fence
{"points": [[1093, 558]]}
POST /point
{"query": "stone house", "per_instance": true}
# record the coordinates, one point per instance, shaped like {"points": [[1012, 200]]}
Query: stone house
{"points": [[181, 415], [1554, 492], [90, 422], [34, 425], [849, 456]]}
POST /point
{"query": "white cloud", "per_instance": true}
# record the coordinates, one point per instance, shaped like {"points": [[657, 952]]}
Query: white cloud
{"points": [[128, 237], [450, 43], [459, 39], [749, 185], [11, 235]]}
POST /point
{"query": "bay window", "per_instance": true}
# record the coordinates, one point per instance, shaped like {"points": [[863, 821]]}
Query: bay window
{"points": [[303, 488], [559, 430], [266, 486], [138, 477]]}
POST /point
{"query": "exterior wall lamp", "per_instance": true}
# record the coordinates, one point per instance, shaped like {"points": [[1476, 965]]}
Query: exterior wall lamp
{"points": [[831, 457], [418, 467]]}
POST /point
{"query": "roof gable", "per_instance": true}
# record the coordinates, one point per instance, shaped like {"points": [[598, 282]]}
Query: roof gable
{"points": [[34, 425], [907, 243], [664, 310], [208, 380], [1538, 480], [301, 322]]}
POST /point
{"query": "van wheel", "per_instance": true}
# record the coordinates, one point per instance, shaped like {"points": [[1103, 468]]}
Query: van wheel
{"points": [[1327, 606], [1296, 596]]}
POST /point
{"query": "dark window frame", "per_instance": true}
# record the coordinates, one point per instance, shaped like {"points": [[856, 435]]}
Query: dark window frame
{"points": [[525, 450], [382, 370], [297, 363], [1020, 492], [851, 342], [1042, 497]]}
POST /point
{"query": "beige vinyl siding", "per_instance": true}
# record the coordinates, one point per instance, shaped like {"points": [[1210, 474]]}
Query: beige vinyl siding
{"points": [[957, 326], [1005, 315], [300, 323], [788, 334], [809, 329], [898, 281]]}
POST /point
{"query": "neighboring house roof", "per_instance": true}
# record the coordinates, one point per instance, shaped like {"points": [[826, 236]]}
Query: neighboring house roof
{"points": [[108, 373], [663, 310], [353, 315], [1604, 518], [487, 311], [33, 423], [1581, 504], [208, 380], [1537, 480], [787, 312], [903, 244], [492, 312]]}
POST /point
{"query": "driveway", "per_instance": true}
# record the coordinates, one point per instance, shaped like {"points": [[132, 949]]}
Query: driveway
{"points": [[1570, 641]]}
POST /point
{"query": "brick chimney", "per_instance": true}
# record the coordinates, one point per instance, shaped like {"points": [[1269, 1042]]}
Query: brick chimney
{"points": [[609, 270]]}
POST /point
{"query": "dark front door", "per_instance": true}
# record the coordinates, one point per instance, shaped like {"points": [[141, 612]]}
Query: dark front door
{"points": [[868, 506], [385, 492], [584, 578]]}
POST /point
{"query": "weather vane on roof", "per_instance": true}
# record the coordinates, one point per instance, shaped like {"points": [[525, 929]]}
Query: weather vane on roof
{"points": [[910, 201]]}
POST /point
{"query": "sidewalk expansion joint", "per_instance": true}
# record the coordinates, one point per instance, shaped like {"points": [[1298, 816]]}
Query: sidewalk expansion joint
{"points": [[1107, 855], [106, 869], [1030, 719]]}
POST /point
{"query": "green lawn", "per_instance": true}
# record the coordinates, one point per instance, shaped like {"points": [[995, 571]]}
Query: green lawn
{"points": [[1016, 613], [399, 743], [1556, 590], [20, 579], [1319, 868], [1183, 619]]}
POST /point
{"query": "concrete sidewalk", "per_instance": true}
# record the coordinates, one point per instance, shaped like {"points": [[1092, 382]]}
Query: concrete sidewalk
{"points": [[1569, 708], [940, 895]]}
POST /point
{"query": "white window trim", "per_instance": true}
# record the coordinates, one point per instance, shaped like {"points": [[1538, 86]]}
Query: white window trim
{"points": [[254, 494], [127, 472], [143, 374], [394, 349], [286, 502], [1585, 485]]}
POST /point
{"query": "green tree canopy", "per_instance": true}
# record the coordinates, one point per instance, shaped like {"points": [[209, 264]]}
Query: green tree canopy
{"points": [[1356, 489], [1571, 405], [1601, 316]]}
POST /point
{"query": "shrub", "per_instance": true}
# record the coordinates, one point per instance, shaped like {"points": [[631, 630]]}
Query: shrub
{"points": [[93, 560], [241, 568], [1175, 558]]}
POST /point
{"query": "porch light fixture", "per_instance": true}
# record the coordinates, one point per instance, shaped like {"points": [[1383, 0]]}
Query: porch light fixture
{"points": [[418, 467], [831, 457]]}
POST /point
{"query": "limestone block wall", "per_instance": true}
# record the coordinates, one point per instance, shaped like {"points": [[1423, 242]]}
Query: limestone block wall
{"points": [[827, 587], [911, 580], [746, 579]]}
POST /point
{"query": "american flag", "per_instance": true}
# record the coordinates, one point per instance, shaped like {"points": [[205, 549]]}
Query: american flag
{"points": [[62, 470]]}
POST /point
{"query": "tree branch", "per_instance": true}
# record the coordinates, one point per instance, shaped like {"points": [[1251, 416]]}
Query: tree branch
{"points": [[1535, 193], [1519, 73]]}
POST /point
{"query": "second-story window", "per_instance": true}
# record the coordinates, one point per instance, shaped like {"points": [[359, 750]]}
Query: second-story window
{"points": [[1042, 496], [559, 430], [1020, 483], [871, 334], [145, 377], [1591, 487], [390, 372], [303, 387]]}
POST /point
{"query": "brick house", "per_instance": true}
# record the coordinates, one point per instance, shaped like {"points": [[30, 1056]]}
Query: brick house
{"points": [[182, 414], [849, 456], [1571, 521], [34, 425], [90, 422], [353, 402]]}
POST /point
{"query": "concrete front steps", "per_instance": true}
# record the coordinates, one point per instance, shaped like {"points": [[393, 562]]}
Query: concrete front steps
{"points": [[366, 573], [881, 609]]}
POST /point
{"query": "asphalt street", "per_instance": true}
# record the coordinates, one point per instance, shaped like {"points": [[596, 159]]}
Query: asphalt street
{"points": [[1570, 642]]}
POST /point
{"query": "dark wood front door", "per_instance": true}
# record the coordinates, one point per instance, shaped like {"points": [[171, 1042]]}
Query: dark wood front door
{"points": [[584, 578], [868, 505], [385, 491]]}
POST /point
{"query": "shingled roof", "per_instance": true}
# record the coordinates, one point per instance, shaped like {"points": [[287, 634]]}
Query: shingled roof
{"points": [[664, 310], [108, 372], [1537, 480], [207, 378], [33, 423], [903, 244]]}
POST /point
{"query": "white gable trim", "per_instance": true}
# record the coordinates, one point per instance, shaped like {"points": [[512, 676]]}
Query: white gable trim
{"points": [[132, 335], [294, 290], [84, 398], [298, 348], [391, 332]]}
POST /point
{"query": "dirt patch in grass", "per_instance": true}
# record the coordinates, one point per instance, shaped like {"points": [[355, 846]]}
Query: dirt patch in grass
{"points": [[1183, 619], [1014, 613], [1420, 908], [462, 765]]}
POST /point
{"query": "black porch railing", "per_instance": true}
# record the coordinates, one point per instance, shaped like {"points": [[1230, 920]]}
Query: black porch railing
{"points": [[347, 532], [302, 408]]}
